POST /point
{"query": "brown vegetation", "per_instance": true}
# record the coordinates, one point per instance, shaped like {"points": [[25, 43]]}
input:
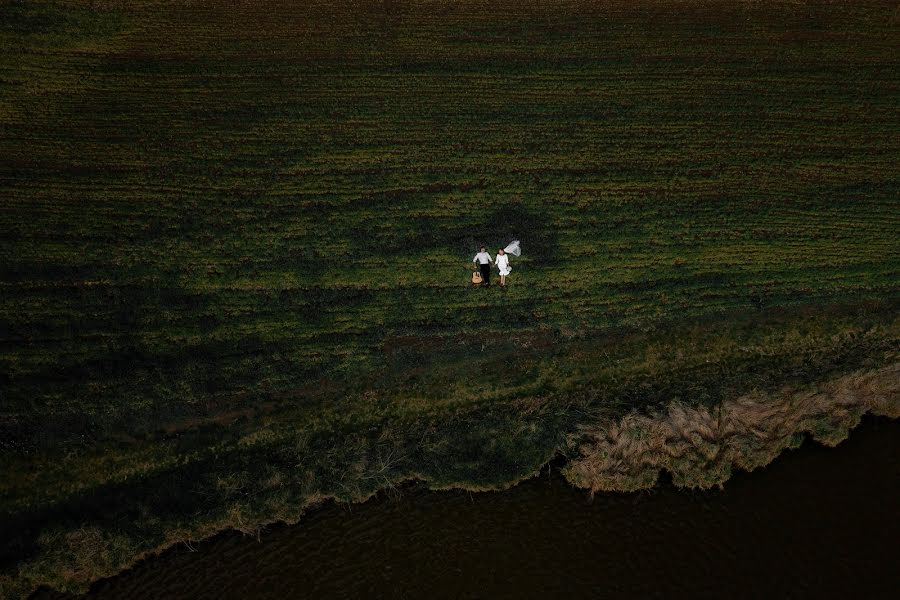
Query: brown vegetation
{"points": [[699, 446]]}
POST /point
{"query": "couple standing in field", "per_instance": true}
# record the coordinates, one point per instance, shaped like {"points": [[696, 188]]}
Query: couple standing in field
{"points": [[484, 261]]}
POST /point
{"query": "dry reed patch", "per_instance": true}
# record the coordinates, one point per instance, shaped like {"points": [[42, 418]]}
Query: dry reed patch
{"points": [[700, 446]]}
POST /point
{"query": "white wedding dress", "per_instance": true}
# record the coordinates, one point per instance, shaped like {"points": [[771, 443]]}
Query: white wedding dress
{"points": [[503, 264]]}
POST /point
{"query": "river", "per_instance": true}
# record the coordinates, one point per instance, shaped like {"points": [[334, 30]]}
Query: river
{"points": [[818, 522]]}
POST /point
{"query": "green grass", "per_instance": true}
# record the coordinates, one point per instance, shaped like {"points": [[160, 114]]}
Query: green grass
{"points": [[236, 237]]}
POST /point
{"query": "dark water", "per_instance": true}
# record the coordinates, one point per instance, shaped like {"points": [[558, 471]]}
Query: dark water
{"points": [[818, 522]]}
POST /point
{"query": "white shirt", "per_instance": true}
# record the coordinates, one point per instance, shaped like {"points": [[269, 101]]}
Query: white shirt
{"points": [[482, 258]]}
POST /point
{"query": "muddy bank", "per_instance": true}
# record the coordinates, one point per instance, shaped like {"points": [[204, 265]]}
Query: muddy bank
{"points": [[701, 447]]}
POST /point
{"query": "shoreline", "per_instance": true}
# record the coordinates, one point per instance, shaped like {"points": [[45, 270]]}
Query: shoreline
{"points": [[543, 517], [415, 486], [697, 448]]}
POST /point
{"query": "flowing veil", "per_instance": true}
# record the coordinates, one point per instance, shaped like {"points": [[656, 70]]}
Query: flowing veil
{"points": [[513, 248]]}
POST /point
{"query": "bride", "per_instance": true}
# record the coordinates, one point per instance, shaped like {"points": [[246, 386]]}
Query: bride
{"points": [[502, 263]]}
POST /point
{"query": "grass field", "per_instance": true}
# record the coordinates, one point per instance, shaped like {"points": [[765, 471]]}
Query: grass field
{"points": [[236, 240]]}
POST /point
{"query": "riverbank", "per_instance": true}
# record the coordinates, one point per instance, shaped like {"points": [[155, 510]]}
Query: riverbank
{"points": [[828, 509], [606, 403]]}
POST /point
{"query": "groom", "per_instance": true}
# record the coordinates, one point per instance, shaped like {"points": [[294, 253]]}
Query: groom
{"points": [[484, 265]]}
